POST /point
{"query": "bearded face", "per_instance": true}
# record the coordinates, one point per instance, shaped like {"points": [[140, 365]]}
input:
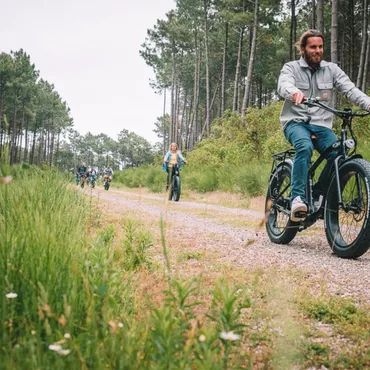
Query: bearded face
{"points": [[313, 51]]}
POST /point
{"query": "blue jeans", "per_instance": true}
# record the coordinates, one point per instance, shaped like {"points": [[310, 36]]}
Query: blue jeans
{"points": [[299, 135]]}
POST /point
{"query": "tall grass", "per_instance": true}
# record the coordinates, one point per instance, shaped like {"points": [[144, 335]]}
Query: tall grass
{"points": [[68, 298]]}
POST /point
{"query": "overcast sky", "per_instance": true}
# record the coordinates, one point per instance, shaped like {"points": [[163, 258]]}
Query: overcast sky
{"points": [[89, 49]]}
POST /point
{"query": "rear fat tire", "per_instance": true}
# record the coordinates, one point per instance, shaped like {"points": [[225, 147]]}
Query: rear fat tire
{"points": [[348, 233], [279, 227]]}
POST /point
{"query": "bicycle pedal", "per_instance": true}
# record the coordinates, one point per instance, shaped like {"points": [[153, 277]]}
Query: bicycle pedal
{"points": [[298, 216]]}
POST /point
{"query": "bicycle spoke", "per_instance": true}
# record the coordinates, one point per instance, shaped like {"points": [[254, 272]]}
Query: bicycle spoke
{"points": [[352, 220]]}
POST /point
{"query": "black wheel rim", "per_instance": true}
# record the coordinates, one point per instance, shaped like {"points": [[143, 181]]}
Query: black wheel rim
{"points": [[279, 193]]}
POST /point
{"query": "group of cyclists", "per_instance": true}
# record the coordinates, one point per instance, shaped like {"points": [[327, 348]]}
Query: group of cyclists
{"points": [[91, 174], [306, 128]]}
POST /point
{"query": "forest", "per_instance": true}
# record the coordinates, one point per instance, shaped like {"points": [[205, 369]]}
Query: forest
{"points": [[212, 59]]}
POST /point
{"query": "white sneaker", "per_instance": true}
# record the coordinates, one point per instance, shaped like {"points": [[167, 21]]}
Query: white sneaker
{"points": [[298, 210], [317, 203]]}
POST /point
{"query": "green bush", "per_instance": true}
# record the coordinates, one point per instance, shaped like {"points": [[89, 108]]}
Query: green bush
{"points": [[252, 180], [202, 179]]}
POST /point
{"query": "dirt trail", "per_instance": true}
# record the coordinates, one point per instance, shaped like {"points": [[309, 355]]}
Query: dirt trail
{"points": [[236, 236]]}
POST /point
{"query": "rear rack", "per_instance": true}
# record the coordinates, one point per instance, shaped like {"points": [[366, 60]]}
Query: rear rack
{"points": [[282, 156]]}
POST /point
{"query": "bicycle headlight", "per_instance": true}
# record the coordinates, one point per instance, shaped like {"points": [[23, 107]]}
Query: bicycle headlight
{"points": [[350, 143]]}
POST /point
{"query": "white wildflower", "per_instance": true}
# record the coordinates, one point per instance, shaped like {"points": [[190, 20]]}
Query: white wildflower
{"points": [[67, 336], [202, 338], [64, 352], [120, 325], [55, 347], [33, 332], [11, 295], [229, 336]]}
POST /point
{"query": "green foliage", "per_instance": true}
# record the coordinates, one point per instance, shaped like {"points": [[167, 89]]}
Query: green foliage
{"points": [[332, 310], [155, 179], [75, 305], [236, 142], [252, 179], [135, 246], [202, 179]]}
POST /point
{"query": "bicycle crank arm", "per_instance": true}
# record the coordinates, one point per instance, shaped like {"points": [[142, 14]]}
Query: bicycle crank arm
{"points": [[282, 209]]}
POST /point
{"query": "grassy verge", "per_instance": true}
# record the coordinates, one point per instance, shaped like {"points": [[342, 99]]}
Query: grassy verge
{"points": [[94, 290]]}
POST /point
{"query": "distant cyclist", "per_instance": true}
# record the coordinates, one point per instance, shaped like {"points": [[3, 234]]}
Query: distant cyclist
{"points": [[172, 157], [108, 172], [82, 170], [93, 174]]}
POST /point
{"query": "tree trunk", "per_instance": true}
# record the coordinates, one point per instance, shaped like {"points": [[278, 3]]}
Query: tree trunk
{"points": [[183, 122], [320, 15], [223, 77], [194, 116], [57, 150], [238, 70], [177, 112], [51, 152], [313, 19], [19, 147], [293, 28], [364, 80], [172, 124], [251, 60], [13, 133], [188, 125], [25, 153], [207, 123], [163, 121], [334, 31], [334, 37], [32, 157], [348, 56], [360, 75]]}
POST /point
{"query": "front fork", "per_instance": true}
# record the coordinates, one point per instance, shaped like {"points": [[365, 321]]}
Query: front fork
{"points": [[345, 207]]}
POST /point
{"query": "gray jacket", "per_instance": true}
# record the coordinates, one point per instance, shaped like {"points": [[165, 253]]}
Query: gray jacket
{"points": [[322, 83]]}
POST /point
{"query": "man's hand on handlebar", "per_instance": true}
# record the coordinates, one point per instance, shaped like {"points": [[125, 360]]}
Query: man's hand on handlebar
{"points": [[298, 97]]}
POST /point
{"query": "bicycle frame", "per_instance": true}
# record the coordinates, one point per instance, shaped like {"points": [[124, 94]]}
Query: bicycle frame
{"points": [[343, 147]]}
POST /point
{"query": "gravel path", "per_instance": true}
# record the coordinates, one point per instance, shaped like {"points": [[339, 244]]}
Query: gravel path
{"points": [[249, 246]]}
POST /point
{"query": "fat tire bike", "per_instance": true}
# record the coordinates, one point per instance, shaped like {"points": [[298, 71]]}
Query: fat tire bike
{"points": [[107, 183], [175, 187], [344, 207], [92, 181], [82, 180]]}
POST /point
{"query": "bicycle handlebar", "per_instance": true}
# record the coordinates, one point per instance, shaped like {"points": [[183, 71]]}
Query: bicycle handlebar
{"points": [[347, 112]]}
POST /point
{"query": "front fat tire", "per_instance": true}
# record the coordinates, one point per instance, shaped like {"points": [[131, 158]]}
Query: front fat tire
{"points": [[279, 227], [176, 189], [170, 193], [348, 233]]}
